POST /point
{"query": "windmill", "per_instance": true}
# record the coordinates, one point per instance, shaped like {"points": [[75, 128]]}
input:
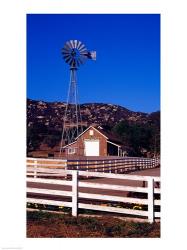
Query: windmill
{"points": [[75, 54]]}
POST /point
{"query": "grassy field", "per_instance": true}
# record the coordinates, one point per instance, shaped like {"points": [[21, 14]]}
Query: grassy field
{"points": [[49, 225]]}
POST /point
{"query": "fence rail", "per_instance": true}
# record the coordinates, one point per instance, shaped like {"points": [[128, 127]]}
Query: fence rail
{"points": [[78, 197], [114, 165]]}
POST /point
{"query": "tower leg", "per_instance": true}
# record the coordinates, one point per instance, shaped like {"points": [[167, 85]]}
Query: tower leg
{"points": [[72, 121]]}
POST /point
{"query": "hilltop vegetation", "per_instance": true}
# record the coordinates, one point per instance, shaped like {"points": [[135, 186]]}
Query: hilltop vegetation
{"points": [[139, 132]]}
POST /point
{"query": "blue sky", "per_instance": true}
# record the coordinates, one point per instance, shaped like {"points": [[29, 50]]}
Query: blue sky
{"points": [[127, 69]]}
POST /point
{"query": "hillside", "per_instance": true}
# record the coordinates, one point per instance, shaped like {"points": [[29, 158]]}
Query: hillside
{"points": [[45, 119]]}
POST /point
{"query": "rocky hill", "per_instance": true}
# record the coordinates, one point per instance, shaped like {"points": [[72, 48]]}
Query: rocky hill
{"points": [[51, 114], [45, 119]]}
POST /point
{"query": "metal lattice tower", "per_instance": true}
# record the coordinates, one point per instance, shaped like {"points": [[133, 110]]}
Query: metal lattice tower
{"points": [[75, 54]]}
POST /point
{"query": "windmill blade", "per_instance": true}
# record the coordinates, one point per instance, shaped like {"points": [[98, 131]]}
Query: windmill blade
{"points": [[80, 60], [83, 58], [81, 47], [75, 42], [72, 44], [68, 60], [76, 63], [64, 52], [84, 54], [66, 56], [69, 45], [79, 44], [66, 47], [71, 62], [84, 51]]}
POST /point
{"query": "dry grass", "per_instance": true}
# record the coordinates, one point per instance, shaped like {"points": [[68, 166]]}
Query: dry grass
{"points": [[47, 225]]}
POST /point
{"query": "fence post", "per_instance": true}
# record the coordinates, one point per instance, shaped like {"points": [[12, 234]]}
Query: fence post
{"points": [[96, 162], [66, 167], [151, 200], [137, 164], [74, 192], [125, 166], [154, 163], [158, 161], [35, 168], [115, 167], [87, 167]]}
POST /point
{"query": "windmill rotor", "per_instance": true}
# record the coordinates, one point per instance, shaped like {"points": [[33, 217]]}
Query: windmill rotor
{"points": [[75, 53]]}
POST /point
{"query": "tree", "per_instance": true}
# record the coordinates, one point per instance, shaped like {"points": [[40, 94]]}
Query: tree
{"points": [[139, 137]]}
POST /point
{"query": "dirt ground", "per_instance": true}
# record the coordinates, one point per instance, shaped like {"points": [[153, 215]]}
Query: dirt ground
{"points": [[49, 225]]}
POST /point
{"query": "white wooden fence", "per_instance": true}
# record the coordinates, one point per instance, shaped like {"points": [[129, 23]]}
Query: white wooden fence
{"points": [[78, 198], [113, 165], [110, 165]]}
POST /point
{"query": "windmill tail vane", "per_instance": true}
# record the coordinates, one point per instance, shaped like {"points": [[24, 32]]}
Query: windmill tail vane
{"points": [[92, 55]]}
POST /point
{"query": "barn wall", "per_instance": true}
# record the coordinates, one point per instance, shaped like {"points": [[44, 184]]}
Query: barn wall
{"points": [[96, 136], [86, 136]]}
